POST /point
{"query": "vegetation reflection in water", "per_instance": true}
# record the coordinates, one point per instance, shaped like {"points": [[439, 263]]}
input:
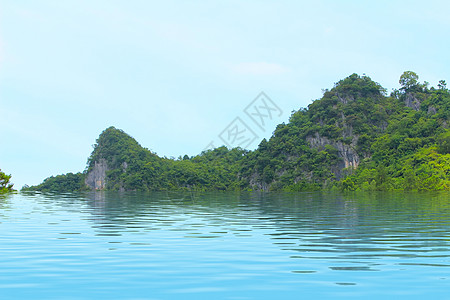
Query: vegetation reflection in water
{"points": [[224, 245]]}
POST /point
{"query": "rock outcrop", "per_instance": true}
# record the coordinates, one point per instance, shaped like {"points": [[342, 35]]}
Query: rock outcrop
{"points": [[350, 158], [412, 102], [96, 178]]}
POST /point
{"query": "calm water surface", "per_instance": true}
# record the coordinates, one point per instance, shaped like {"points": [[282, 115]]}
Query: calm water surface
{"points": [[225, 246]]}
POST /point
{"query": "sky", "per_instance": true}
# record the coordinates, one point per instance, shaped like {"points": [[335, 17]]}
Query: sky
{"points": [[176, 75]]}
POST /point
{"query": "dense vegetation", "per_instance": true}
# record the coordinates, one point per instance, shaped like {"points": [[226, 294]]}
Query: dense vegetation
{"points": [[5, 185], [61, 183], [356, 137], [132, 167]]}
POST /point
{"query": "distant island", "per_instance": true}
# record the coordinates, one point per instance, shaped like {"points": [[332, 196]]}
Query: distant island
{"points": [[355, 138]]}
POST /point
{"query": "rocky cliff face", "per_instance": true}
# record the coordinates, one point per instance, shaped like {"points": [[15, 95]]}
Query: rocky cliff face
{"points": [[350, 158], [258, 184], [412, 102], [96, 178]]}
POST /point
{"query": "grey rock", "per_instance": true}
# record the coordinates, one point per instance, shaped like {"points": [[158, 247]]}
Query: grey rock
{"points": [[432, 110], [96, 178], [350, 158], [412, 102]]}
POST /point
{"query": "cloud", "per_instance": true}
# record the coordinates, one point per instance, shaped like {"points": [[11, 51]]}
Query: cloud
{"points": [[259, 68]]}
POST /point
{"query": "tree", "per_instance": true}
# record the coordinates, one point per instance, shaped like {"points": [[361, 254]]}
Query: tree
{"points": [[408, 80], [444, 142], [442, 85], [348, 185], [5, 186]]}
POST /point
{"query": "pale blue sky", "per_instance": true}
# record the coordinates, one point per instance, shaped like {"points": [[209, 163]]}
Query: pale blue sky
{"points": [[174, 74]]}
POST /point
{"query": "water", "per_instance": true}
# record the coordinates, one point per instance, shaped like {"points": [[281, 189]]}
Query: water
{"points": [[225, 246]]}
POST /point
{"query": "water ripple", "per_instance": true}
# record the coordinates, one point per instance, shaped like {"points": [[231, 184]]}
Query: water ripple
{"points": [[224, 245]]}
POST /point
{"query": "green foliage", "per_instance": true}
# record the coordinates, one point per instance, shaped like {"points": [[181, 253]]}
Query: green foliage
{"points": [[348, 185], [69, 182], [414, 149], [408, 80], [442, 85], [5, 185], [443, 142]]}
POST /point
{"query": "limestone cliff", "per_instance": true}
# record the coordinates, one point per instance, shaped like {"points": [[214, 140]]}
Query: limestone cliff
{"points": [[412, 101], [96, 177], [350, 158]]}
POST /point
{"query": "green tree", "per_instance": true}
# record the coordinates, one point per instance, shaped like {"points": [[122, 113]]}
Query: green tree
{"points": [[348, 185], [408, 80], [444, 142], [5, 185], [410, 179]]}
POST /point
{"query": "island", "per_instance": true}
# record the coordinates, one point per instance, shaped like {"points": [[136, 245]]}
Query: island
{"points": [[357, 137]]}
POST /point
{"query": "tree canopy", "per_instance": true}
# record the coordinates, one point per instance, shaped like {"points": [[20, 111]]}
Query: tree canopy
{"points": [[408, 80], [5, 185]]}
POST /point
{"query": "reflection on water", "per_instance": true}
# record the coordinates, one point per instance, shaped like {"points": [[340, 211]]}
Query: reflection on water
{"points": [[224, 245]]}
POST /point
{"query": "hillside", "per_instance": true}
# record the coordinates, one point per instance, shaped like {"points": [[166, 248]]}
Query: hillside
{"points": [[355, 137]]}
